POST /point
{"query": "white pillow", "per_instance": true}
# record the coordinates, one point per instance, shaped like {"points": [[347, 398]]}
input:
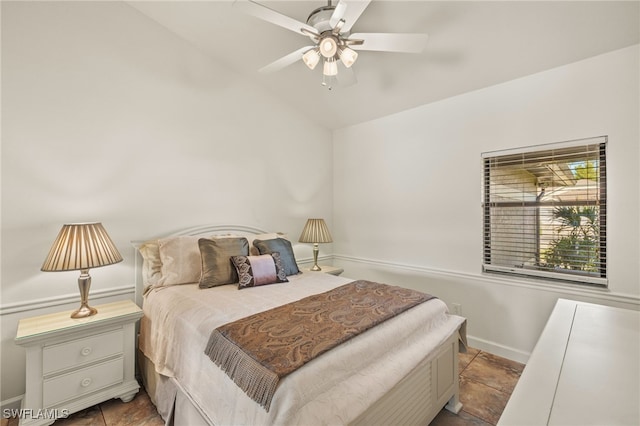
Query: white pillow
{"points": [[151, 263], [180, 257]]}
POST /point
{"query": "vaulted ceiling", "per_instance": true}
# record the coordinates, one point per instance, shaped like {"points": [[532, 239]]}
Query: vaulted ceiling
{"points": [[471, 45]]}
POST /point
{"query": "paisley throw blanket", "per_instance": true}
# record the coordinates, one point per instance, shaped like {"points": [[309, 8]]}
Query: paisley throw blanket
{"points": [[259, 350]]}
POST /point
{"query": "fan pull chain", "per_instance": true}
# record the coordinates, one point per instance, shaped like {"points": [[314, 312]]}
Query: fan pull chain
{"points": [[326, 81]]}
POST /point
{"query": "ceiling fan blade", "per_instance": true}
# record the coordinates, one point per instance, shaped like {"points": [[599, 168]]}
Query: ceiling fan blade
{"points": [[285, 61], [390, 42], [350, 11], [259, 11]]}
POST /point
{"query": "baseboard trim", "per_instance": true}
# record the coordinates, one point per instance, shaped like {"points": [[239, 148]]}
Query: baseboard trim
{"points": [[565, 289], [308, 261], [10, 405], [498, 349], [12, 308]]}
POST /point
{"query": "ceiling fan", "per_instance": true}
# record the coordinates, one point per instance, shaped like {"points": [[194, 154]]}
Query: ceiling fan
{"points": [[329, 28]]}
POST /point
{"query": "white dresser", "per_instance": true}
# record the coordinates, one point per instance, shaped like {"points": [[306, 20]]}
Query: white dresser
{"points": [[584, 370], [73, 364]]}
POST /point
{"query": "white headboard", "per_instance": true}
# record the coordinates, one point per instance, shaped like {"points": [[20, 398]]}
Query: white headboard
{"points": [[204, 230]]}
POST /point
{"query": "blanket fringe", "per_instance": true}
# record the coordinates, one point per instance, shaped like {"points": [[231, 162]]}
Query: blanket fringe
{"points": [[257, 381]]}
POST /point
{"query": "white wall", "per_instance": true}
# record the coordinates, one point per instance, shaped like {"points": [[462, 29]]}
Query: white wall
{"points": [[107, 116], [407, 192]]}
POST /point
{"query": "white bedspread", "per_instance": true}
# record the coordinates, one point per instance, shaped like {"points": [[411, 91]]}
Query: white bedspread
{"points": [[335, 388]]}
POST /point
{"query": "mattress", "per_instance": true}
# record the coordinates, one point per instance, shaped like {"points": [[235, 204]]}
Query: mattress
{"points": [[334, 388]]}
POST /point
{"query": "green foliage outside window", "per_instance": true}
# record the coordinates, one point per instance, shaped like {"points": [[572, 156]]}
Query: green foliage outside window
{"points": [[577, 246], [586, 170]]}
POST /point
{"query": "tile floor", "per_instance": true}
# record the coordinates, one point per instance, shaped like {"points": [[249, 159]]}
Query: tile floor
{"points": [[486, 382], [138, 412]]}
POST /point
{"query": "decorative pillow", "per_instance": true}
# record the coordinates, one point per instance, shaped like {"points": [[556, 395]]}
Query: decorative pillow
{"points": [[259, 270], [151, 263], [215, 254], [180, 259], [283, 247]]}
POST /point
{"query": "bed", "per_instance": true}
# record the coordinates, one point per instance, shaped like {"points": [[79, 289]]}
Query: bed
{"points": [[402, 371]]}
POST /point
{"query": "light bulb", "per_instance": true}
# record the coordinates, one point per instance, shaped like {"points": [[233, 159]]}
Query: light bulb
{"points": [[348, 56]]}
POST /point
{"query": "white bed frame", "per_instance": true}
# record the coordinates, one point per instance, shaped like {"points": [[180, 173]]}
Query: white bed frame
{"points": [[415, 400]]}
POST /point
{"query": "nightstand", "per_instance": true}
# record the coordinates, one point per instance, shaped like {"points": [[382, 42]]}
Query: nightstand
{"points": [[73, 364], [326, 270]]}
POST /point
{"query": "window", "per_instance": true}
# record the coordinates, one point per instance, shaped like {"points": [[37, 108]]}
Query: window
{"points": [[545, 211]]}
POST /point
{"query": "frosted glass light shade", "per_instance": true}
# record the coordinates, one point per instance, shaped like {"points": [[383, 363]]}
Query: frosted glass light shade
{"points": [[330, 68], [348, 56], [328, 47], [311, 58]]}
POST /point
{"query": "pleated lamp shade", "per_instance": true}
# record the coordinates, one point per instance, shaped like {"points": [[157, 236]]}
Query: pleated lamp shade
{"points": [[81, 246], [315, 231]]}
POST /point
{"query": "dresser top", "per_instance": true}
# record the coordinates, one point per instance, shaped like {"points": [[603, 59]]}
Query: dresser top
{"points": [[583, 371], [599, 382], [35, 328]]}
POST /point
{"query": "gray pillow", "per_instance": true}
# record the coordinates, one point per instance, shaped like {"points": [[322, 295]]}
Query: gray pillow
{"points": [[216, 254], [282, 246]]}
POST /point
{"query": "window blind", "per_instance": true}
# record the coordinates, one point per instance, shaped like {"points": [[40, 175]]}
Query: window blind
{"points": [[545, 212]]}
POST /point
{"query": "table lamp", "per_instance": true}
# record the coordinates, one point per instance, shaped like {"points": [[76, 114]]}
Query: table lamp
{"points": [[79, 247], [315, 231]]}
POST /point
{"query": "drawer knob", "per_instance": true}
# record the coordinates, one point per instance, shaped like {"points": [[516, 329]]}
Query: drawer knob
{"points": [[86, 351], [85, 382]]}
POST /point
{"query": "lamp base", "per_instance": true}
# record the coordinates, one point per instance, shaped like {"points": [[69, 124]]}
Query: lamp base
{"points": [[84, 311], [315, 266], [84, 283]]}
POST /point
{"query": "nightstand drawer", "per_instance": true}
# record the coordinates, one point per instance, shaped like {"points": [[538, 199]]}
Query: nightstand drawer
{"points": [[78, 383], [78, 352]]}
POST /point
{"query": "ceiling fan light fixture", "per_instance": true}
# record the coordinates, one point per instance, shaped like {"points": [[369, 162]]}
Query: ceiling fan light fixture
{"points": [[330, 67], [348, 56], [311, 58], [330, 30], [328, 47]]}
